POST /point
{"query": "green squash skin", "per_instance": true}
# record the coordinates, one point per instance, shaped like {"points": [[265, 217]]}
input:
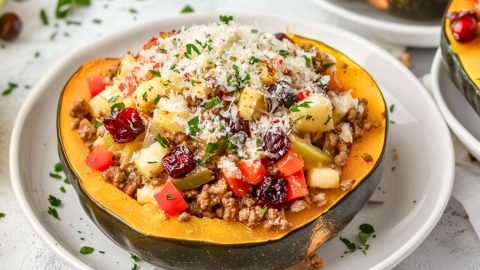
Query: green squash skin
{"points": [[179, 254], [457, 73], [418, 9]]}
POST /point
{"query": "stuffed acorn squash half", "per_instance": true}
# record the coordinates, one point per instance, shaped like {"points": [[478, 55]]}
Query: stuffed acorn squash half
{"points": [[223, 147], [460, 46]]}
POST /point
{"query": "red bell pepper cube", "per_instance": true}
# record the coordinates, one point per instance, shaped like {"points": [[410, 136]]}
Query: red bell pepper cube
{"points": [[302, 94], [297, 186], [290, 163], [253, 171], [234, 180], [100, 158], [96, 85], [170, 200]]}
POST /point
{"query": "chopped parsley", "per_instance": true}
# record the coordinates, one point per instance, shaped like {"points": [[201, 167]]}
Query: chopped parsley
{"points": [[187, 9], [53, 212], [284, 53], [55, 175], [327, 120], [328, 65], [212, 103], [133, 256], [66, 6], [162, 140], [156, 73], [44, 16], [392, 108], [86, 250], [2, 215], [11, 86], [58, 167], [67, 181], [237, 80], [156, 100], [351, 246], [54, 201], [253, 60], [62, 189], [191, 47], [70, 22], [263, 211], [193, 126], [113, 99], [308, 61], [366, 230], [117, 106], [211, 148], [169, 197], [296, 107], [225, 18]]}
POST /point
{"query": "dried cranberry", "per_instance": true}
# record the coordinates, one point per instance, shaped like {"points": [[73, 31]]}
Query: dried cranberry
{"points": [[281, 95], [282, 36], [275, 143], [179, 162], [10, 26], [272, 191], [464, 27], [124, 125], [237, 125]]}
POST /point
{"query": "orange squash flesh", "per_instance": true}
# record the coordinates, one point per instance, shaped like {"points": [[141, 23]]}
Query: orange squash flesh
{"points": [[150, 221], [468, 53]]}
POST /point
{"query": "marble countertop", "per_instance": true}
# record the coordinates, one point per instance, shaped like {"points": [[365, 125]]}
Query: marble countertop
{"points": [[452, 244]]}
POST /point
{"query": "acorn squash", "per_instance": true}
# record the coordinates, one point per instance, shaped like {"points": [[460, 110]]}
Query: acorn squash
{"points": [[412, 9], [204, 243], [462, 59]]}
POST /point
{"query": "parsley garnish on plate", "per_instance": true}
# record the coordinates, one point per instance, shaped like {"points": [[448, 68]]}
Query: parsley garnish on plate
{"points": [[54, 201], [53, 212], [225, 18], [66, 6], [187, 9], [86, 250], [11, 86], [44, 17], [55, 175]]}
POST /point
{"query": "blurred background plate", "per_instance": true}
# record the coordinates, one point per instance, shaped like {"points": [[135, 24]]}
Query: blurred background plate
{"points": [[361, 18], [459, 114]]}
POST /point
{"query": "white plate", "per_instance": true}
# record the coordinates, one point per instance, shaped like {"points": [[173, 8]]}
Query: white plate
{"points": [[424, 171], [360, 17], [460, 116]]}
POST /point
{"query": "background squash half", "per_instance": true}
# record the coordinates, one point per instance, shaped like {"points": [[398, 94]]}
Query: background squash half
{"points": [[204, 243], [462, 59]]}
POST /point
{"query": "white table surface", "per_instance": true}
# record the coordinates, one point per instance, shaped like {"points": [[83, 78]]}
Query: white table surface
{"points": [[452, 244]]}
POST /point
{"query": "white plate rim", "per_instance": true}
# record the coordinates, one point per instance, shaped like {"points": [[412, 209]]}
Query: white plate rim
{"points": [[472, 143], [388, 262], [376, 23]]}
